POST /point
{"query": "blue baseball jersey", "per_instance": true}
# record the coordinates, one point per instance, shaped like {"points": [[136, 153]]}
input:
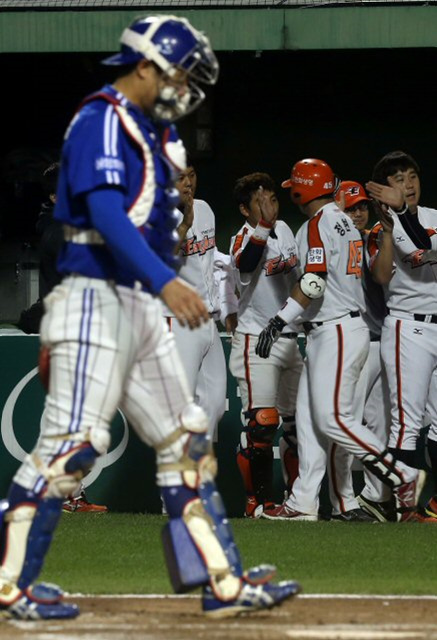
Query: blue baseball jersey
{"points": [[112, 143]]}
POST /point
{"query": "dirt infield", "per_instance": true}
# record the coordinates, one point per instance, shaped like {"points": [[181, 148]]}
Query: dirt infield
{"points": [[306, 618]]}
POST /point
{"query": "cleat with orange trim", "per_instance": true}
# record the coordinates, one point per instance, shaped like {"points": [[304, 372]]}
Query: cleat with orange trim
{"points": [[253, 508], [81, 505], [427, 513]]}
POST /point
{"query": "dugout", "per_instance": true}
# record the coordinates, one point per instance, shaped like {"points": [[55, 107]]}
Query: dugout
{"points": [[344, 81]]}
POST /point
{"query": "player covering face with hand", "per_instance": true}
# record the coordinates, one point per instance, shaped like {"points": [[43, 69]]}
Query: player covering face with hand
{"points": [[107, 340], [264, 255], [409, 334]]}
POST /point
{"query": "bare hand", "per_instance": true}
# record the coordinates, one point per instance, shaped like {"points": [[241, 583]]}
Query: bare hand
{"points": [[269, 209], [391, 195], [185, 303], [187, 220], [231, 323], [385, 218]]}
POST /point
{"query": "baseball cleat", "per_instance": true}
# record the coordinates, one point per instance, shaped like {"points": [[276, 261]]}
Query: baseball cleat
{"points": [[27, 609], [427, 513], [354, 515], [45, 593], [251, 598], [260, 574], [383, 511], [406, 501], [253, 508], [81, 505], [284, 512]]}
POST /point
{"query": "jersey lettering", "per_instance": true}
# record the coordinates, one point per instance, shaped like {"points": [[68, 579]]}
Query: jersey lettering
{"points": [[355, 260], [419, 258], [316, 255], [191, 247], [278, 265]]}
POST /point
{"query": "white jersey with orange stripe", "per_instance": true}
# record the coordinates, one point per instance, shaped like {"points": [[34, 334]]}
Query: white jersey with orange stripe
{"points": [[330, 244], [265, 289], [198, 255], [413, 287]]}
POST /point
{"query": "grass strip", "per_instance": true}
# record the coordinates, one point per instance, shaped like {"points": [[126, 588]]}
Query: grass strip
{"points": [[122, 553]]}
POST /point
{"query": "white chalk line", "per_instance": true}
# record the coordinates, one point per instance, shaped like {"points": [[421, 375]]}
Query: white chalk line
{"points": [[308, 596]]}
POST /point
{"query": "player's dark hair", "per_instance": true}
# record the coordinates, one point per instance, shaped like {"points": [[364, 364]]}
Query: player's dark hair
{"points": [[190, 162], [391, 163], [50, 179], [246, 186]]}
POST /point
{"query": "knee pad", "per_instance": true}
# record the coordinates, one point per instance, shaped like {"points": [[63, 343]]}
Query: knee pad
{"points": [[187, 455], [255, 453], [65, 473], [383, 466]]}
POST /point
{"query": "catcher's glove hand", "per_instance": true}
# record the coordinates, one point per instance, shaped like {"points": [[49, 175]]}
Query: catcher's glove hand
{"points": [[268, 337]]}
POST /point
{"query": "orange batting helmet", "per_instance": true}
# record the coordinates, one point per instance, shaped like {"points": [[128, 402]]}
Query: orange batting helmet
{"points": [[353, 193], [310, 179]]}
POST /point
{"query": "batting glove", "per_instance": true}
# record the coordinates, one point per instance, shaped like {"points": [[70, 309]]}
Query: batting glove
{"points": [[268, 337]]}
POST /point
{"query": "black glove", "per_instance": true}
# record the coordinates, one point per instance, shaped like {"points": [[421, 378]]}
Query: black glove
{"points": [[268, 337]]}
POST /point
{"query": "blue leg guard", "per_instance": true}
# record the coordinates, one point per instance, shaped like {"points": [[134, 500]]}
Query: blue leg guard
{"points": [[40, 536], [42, 593], [185, 565], [213, 505]]}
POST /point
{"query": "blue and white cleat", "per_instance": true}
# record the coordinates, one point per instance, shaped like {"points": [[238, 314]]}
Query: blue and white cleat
{"points": [[44, 593], [251, 598], [27, 609], [261, 574]]}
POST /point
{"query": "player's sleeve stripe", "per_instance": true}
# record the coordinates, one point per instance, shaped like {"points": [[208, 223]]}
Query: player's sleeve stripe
{"points": [[372, 240], [237, 246], [315, 242], [107, 130], [114, 134], [238, 242]]}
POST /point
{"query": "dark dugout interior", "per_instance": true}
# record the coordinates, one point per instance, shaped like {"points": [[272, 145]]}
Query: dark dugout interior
{"points": [[268, 110]]}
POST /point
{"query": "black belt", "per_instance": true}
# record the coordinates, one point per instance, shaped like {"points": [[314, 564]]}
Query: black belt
{"points": [[422, 317], [308, 326], [292, 336]]}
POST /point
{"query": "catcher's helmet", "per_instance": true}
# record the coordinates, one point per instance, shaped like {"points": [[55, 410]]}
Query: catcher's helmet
{"points": [[310, 179], [353, 193], [172, 43]]}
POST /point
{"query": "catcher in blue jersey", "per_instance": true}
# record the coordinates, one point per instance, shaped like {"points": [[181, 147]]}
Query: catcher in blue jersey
{"points": [[105, 340]]}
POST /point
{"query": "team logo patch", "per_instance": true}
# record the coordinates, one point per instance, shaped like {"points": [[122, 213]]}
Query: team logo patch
{"points": [[353, 191], [316, 256]]}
